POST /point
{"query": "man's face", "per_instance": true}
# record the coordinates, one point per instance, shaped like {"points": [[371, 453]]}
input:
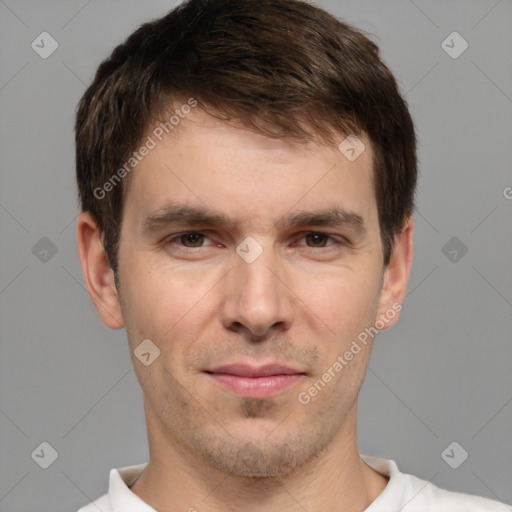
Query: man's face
{"points": [[293, 295]]}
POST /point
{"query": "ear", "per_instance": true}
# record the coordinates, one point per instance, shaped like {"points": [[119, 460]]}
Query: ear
{"points": [[98, 276], [396, 276]]}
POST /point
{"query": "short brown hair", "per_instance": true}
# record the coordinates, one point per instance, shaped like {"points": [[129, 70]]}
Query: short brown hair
{"points": [[282, 67]]}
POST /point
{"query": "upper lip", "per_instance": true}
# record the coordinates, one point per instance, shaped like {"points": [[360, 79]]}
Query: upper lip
{"points": [[245, 370]]}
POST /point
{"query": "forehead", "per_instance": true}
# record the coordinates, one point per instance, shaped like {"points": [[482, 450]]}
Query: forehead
{"points": [[226, 167]]}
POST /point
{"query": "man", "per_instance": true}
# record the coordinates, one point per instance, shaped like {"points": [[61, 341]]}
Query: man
{"points": [[247, 174]]}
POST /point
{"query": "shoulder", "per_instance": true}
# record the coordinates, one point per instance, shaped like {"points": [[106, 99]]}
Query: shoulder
{"points": [[102, 504], [409, 493], [424, 496]]}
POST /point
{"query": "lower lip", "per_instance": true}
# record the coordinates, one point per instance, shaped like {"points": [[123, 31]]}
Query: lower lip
{"points": [[256, 387]]}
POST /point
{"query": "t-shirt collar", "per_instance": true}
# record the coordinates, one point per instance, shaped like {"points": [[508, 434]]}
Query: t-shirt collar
{"points": [[123, 499]]}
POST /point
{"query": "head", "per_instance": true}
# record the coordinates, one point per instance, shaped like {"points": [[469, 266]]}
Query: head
{"points": [[239, 121]]}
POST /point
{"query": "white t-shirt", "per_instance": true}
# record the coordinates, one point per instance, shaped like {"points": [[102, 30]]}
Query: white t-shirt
{"points": [[403, 493]]}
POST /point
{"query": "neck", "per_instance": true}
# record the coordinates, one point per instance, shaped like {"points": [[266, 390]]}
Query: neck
{"points": [[336, 479]]}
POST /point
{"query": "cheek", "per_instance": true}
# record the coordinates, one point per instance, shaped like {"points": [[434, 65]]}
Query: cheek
{"points": [[166, 305], [344, 300], [150, 289]]}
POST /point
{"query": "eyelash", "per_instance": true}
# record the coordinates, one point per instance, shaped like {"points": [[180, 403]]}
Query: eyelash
{"points": [[175, 238]]}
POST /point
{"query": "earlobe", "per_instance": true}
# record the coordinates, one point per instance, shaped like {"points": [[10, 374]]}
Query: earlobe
{"points": [[396, 276], [98, 276]]}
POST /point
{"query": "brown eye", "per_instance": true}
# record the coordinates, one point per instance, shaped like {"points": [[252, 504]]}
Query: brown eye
{"points": [[195, 239], [318, 239], [188, 240]]}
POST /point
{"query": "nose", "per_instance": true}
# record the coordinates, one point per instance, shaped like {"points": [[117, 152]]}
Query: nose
{"points": [[257, 297]]}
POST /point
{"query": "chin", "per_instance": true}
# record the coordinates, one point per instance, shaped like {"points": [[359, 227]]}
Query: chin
{"points": [[260, 458]]}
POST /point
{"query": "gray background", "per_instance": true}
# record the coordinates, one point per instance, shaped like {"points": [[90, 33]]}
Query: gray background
{"points": [[441, 375]]}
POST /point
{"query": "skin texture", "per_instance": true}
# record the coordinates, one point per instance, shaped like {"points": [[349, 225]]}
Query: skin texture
{"points": [[302, 303]]}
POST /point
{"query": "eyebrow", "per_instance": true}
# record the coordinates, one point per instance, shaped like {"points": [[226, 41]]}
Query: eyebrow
{"points": [[205, 217]]}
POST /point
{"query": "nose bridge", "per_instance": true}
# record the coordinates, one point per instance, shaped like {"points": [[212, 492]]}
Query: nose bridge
{"points": [[258, 277], [254, 296]]}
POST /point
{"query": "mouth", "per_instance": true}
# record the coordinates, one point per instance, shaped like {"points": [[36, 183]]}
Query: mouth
{"points": [[255, 382]]}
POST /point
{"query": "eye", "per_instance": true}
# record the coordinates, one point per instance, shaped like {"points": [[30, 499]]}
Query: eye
{"points": [[318, 240], [193, 238]]}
